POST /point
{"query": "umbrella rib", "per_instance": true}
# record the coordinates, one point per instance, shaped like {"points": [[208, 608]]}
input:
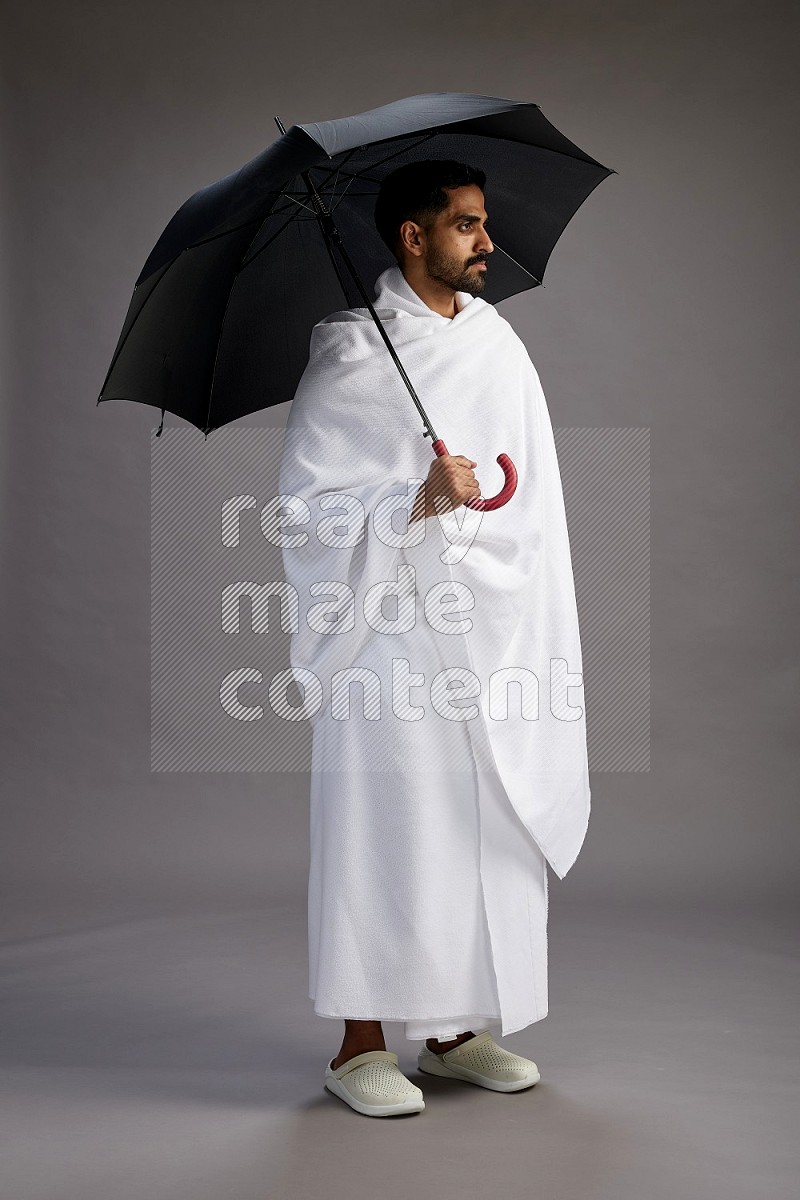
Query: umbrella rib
{"points": [[269, 240], [223, 233], [379, 163], [332, 192], [346, 158], [285, 208], [171, 263], [337, 200], [516, 263], [299, 202], [328, 171], [241, 266], [389, 157], [353, 179], [133, 322]]}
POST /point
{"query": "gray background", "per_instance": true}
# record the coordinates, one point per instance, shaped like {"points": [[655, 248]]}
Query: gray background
{"points": [[158, 1040]]}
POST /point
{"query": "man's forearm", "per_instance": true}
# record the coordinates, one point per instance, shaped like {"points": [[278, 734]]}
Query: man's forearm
{"points": [[420, 510]]}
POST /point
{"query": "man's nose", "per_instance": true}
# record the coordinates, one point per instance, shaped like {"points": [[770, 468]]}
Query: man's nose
{"points": [[484, 243]]}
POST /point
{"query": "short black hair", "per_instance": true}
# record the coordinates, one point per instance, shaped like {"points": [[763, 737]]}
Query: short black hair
{"points": [[415, 192]]}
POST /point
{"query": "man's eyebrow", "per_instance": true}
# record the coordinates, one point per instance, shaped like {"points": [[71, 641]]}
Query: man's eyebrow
{"points": [[469, 217]]}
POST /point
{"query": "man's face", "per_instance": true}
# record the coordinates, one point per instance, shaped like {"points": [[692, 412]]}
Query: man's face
{"points": [[457, 242]]}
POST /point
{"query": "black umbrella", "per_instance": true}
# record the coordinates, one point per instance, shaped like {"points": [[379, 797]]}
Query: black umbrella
{"points": [[218, 325]]}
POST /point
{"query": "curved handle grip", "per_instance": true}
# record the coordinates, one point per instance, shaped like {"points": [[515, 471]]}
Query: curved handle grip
{"points": [[480, 503]]}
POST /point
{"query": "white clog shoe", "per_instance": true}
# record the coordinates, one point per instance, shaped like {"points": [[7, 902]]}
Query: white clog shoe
{"points": [[480, 1060], [373, 1084]]}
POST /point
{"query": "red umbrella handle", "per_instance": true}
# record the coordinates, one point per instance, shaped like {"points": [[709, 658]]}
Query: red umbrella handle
{"points": [[503, 496]]}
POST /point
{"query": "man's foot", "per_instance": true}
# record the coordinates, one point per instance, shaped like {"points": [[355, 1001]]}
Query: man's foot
{"points": [[438, 1047], [373, 1084], [480, 1060]]}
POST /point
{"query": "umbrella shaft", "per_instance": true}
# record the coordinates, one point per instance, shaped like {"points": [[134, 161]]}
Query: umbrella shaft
{"points": [[332, 236]]}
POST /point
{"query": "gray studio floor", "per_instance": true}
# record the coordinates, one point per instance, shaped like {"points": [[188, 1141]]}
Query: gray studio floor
{"points": [[173, 1054]]}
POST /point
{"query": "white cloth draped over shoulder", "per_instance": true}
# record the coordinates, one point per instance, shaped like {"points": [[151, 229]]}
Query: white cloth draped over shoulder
{"points": [[450, 756]]}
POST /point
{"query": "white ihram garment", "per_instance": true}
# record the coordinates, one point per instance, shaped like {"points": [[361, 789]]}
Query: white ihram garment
{"points": [[434, 812]]}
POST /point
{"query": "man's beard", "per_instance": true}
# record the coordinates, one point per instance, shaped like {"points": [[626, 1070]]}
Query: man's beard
{"points": [[448, 269]]}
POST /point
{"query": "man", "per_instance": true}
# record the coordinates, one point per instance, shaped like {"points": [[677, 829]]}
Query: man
{"points": [[437, 802]]}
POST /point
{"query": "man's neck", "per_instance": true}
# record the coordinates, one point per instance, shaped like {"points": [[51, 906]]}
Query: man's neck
{"points": [[438, 296]]}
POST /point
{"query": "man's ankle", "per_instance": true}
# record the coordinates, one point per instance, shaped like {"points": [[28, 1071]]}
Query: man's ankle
{"points": [[359, 1038], [350, 1051]]}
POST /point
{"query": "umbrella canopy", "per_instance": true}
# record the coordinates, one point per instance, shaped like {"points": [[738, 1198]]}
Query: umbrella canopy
{"points": [[220, 318]]}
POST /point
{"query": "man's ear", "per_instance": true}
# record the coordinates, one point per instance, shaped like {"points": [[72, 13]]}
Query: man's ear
{"points": [[411, 240]]}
